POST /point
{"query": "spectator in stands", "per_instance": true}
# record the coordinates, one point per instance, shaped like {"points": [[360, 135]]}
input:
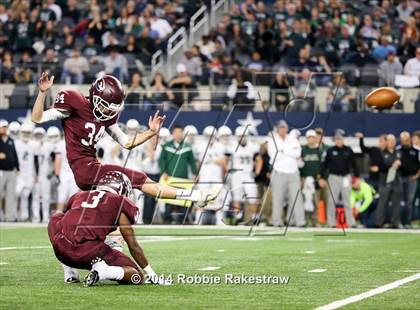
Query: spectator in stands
{"points": [[390, 189], [410, 173], [50, 62], [159, 93], [297, 65], [90, 48], [9, 168], [96, 27], [256, 64], [71, 12], [115, 63], [328, 44], [193, 65], [21, 32], [241, 93], [183, 86], [310, 173], [340, 98], [284, 152], [388, 69], [4, 17], [147, 44], [68, 45], [339, 162], [296, 41], [363, 202], [346, 43], [279, 92], [381, 51], [74, 68], [361, 57], [161, 27], [412, 67], [136, 92], [7, 68], [368, 31], [405, 8], [24, 71], [207, 46], [304, 88]]}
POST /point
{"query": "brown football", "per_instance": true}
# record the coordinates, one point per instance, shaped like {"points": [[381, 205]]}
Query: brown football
{"points": [[382, 98]]}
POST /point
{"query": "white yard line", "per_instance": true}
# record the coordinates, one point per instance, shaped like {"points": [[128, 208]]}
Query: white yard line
{"points": [[379, 290], [210, 268]]}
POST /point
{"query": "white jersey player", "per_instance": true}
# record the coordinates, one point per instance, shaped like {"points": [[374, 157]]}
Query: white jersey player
{"points": [[14, 129], [25, 149], [190, 136], [42, 189], [212, 163], [242, 177], [67, 186]]}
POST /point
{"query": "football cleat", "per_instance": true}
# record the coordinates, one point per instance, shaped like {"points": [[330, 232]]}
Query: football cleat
{"points": [[91, 278], [72, 280], [209, 195]]}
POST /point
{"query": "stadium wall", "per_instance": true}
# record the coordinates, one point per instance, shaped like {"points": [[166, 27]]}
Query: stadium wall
{"points": [[371, 124]]}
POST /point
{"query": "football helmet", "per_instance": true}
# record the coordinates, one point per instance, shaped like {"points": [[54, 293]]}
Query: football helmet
{"points": [[53, 134], [118, 182], [209, 131], [26, 131], [39, 133], [224, 131], [107, 97], [190, 130], [14, 128]]}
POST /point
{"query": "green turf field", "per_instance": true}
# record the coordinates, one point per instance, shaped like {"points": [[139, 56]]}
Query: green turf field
{"points": [[30, 276]]}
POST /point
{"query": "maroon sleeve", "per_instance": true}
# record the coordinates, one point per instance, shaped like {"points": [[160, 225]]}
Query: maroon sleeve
{"points": [[130, 210], [64, 100]]}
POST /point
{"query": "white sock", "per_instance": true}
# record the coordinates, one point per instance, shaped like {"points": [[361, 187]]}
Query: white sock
{"points": [[188, 194], [107, 272], [70, 272]]}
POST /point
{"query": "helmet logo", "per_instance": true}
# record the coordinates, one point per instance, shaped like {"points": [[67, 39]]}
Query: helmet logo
{"points": [[100, 85]]}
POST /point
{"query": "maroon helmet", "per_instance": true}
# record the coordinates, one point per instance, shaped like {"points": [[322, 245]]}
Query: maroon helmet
{"points": [[116, 182], [107, 96]]}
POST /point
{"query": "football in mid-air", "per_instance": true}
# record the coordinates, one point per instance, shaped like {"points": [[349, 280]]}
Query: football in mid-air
{"points": [[382, 98]]}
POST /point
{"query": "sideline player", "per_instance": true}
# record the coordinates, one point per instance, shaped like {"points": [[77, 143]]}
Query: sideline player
{"points": [[84, 122], [243, 183], [78, 234], [25, 149]]}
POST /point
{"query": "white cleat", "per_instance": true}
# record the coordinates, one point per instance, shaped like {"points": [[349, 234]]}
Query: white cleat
{"points": [[209, 195]]}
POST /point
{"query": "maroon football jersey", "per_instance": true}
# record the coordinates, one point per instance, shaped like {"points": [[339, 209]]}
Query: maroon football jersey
{"points": [[81, 129], [92, 215]]}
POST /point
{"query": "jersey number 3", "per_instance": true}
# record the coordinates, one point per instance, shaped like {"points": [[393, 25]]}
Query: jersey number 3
{"points": [[92, 138], [95, 200]]}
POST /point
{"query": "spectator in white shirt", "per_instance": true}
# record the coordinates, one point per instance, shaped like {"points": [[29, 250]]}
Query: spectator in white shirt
{"points": [[412, 67], [284, 151], [56, 9], [74, 68], [161, 26]]}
